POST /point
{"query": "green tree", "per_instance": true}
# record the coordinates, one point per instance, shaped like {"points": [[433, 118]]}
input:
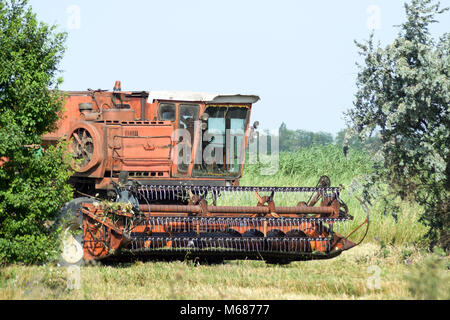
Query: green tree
{"points": [[293, 140], [345, 138], [33, 181], [404, 95]]}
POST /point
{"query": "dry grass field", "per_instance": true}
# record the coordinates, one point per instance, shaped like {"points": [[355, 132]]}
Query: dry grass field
{"points": [[366, 272]]}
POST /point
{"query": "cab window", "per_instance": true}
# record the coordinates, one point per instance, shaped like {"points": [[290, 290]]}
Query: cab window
{"points": [[188, 114], [167, 112]]}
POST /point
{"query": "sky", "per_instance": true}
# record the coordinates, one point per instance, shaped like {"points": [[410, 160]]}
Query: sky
{"points": [[298, 56]]}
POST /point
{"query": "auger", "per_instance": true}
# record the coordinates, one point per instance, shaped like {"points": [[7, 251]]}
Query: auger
{"points": [[159, 178]]}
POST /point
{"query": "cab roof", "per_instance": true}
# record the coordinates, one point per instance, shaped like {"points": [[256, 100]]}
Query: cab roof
{"points": [[208, 98]]}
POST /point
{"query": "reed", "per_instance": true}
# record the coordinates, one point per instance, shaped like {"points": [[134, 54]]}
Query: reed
{"points": [[304, 169]]}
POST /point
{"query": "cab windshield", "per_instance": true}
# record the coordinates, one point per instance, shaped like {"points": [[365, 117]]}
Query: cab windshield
{"points": [[223, 141]]}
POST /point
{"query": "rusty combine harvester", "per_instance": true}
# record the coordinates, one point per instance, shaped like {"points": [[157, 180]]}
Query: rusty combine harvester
{"points": [[146, 152]]}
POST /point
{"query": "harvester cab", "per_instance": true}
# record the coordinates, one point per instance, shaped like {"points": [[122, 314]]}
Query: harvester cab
{"points": [[171, 164]]}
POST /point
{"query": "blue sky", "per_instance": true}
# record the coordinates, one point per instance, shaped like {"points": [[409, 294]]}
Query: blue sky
{"points": [[298, 56]]}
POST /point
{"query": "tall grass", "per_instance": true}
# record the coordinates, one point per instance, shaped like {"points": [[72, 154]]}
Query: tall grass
{"points": [[311, 163], [305, 167]]}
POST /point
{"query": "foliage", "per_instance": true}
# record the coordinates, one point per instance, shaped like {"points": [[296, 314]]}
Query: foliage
{"points": [[345, 139], [32, 180], [404, 95], [114, 212], [293, 140]]}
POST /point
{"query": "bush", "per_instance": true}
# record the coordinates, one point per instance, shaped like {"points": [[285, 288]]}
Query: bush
{"points": [[33, 181]]}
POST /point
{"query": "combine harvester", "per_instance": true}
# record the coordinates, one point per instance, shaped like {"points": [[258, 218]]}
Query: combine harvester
{"points": [[170, 164]]}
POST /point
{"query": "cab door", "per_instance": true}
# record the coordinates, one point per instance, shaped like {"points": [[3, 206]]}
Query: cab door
{"points": [[184, 139]]}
